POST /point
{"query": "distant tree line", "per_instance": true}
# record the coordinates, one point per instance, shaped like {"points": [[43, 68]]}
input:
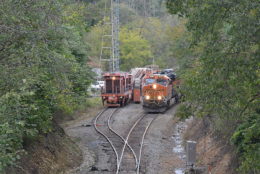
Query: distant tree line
{"points": [[155, 35]]}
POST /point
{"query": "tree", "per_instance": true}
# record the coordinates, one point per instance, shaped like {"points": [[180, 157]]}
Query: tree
{"points": [[224, 79], [42, 69], [134, 51]]}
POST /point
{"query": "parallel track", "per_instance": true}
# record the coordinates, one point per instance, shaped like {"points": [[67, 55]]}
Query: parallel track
{"points": [[136, 136], [133, 143]]}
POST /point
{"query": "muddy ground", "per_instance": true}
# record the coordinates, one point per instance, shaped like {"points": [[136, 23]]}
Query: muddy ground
{"points": [[159, 155]]}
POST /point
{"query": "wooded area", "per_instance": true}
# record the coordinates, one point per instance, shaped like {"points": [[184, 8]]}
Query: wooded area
{"points": [[222, 81], [42, 69]]}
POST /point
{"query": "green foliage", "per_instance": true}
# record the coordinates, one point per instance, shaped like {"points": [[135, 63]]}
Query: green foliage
{"points": [[22, 114], [135, 51], [94, 39], [223, 79], [158, 32], [95, 11], [184, 111], [246, 138], [42, 69], [151, 8], [156, 28]]}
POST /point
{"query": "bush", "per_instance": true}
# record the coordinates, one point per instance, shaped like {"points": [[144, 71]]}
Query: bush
{"points": [[247, 141]]}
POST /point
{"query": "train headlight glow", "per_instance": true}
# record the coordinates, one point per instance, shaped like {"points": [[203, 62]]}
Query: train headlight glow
{"points": [[154, 86], [147, 97], [113, 78], [159, 97]]}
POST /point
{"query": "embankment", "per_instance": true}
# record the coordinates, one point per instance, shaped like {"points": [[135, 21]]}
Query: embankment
{"points": [[214, 153], [52, 153]]}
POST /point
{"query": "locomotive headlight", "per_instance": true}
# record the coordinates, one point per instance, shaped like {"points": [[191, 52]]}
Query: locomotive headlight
{"points": [[154, 86], [113, 78], [159, 97], [147, 97]]}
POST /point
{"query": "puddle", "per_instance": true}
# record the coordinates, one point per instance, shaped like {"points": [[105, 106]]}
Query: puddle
{"points": [[96, 143], [178, 139], [178, 148], [179, 171]]}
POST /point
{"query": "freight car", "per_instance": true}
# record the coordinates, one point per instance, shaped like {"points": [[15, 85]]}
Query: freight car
{"points": [[137, 76], [158, 92], [117, 90]]}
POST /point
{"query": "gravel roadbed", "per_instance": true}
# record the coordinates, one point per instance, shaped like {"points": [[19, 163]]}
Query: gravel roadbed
{"points": [[158, 155]]}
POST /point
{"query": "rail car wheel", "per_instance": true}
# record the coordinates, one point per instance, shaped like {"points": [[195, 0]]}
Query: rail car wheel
{"points": [[177, 99], [168, 103], [121, 103]]}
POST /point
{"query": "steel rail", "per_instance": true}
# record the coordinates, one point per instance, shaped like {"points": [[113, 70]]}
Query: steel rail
{"points": [[141, 146], [126, 142], [105, 136], [122, 138]]}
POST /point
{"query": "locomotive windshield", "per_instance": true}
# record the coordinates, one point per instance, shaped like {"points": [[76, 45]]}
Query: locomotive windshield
{"points": [[162, 82], [149, 81], [159, 81]]}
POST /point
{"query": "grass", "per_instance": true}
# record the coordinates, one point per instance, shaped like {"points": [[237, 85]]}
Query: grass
{"points": [[94, 102]]}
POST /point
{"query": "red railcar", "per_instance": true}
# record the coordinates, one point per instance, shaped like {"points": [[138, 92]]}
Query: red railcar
{"points": [[117, 90]]}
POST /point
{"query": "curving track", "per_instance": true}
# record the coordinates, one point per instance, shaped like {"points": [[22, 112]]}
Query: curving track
{"points": [[136, 137], [128, 150]]}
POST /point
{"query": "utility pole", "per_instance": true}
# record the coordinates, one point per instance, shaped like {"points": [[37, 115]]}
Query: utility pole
{"points": [[115, 33], [113, 48]]}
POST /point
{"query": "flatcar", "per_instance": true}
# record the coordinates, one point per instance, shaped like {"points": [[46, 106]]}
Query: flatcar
{"points": [[158, 92], [117, 90]]}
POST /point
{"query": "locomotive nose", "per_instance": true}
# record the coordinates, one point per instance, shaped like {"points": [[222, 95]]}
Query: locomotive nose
{"points": [[112, 99]]}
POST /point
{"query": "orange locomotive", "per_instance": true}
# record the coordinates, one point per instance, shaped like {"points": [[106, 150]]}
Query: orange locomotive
{"points": [[158, 92], [117, 90]]}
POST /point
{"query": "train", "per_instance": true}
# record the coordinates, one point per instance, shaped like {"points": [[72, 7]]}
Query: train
{"points": [[117, 90], [159, 91], [154, 89]]}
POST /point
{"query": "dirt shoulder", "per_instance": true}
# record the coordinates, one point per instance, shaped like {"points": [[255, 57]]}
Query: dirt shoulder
{"points": [[80, 129], [53, 153], [213, 153]]}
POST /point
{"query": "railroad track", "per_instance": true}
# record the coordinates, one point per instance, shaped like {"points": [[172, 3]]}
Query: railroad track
{"points": [[127, 149], [135, 139]]}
